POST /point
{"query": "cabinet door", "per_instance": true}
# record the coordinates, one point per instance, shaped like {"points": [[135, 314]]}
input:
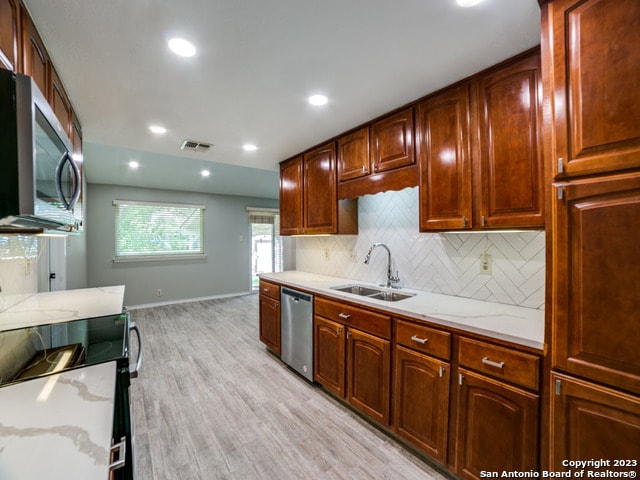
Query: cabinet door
{"points": [[328, 354], [291, 220], [421, 401], [35, 61], [511, 173], [320, 196], [497, 427], [392, 142], [368, 374], [595, 65], [270, 323], [59, 102], [597, 280], [589, 421], [353, 155], [442, 144], [9, 34]]}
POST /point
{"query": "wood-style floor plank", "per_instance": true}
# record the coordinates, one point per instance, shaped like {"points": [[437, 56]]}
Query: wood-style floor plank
{"points": [[212, 403]]}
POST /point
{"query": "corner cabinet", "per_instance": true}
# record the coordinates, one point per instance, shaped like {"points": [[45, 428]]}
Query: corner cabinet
{"points": [[478, 151], [270, 316], [308, 198]]}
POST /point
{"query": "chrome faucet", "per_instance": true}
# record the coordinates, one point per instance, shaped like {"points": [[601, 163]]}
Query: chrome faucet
{"points": [[392, 281]]}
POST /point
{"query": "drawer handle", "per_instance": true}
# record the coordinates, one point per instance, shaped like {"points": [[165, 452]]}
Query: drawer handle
{"points": [[344, 316], [416, 338], [491, 363], [265, 290]]}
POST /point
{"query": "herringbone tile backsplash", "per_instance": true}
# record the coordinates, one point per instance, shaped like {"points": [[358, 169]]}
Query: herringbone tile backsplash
{"points": [[447, 263]]}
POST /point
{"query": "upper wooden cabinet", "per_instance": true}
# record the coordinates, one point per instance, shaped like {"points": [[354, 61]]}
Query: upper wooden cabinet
{"points": [[353, 155], [320, 202], [493, 176], [392, 142], [308, 199], [442, 145], [35, 59], [10, 40], [596, 275], [510, 158], [378, 157], [291, 214], [594, 65], [59, 101]]}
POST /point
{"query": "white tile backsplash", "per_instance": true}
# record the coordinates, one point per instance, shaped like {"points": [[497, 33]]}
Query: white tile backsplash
{"points": [[447, 263], [18, 268]]}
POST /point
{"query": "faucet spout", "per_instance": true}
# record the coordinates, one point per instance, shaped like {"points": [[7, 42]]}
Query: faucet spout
{"points": [[390, 278]]}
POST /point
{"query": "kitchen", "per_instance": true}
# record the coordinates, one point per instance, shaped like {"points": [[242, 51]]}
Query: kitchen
{"points": [[444, 263]]}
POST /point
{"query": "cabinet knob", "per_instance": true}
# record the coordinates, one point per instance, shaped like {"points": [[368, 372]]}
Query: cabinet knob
{"points": [[465, 222]]}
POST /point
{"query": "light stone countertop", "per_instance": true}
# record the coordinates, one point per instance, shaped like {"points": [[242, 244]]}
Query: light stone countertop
{"points": [[58, 427], [518, 325], [63, 306]]}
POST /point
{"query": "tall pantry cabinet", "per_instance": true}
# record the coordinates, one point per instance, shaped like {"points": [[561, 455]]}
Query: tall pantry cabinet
{"points": [[591, 65]]}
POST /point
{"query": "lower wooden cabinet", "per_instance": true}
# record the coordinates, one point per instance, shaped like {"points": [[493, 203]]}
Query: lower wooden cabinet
{"points": [[421, 401], [368, 374], [270, 316], [352, 363], [497, 427], [329, 355], [589, 421]]}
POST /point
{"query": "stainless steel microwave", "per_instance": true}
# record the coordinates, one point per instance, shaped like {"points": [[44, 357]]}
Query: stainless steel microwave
{"points": [[40, 182]]}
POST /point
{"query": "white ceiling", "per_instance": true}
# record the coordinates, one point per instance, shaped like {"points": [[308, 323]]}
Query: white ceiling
{"points": [[257, 63]]}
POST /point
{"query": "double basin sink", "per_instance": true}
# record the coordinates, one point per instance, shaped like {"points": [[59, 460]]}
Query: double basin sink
{"points": [[372, 292]]}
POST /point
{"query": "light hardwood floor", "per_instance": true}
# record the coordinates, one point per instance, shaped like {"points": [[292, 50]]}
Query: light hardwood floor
{"points": [[212, 403]]}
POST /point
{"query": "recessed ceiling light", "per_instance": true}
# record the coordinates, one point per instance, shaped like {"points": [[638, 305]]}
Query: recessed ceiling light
{"points": [[249, 147], [182, 47], [157, 129], [317, 100], [205, 173], [133, 164], [468, 3]]}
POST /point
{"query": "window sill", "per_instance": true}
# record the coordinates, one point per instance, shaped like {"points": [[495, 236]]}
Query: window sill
{"points": [[159, 258]]}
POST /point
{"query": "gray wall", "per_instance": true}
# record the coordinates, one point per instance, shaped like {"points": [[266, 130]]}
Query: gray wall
{"points": [[226, 269]]}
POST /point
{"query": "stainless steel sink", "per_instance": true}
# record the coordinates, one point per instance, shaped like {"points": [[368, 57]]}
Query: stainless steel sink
{"points": [[391, 296], [372, 292]]}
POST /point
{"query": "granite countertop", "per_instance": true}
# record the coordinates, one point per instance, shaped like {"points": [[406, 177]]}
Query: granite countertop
{"points": [[63, 306], [59, 426], [518, 325]]}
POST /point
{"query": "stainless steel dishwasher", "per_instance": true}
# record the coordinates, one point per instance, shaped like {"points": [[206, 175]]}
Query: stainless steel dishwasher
{"points": [[296, 331]]}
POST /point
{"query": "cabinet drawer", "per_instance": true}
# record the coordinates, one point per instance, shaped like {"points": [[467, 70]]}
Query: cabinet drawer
{"points": [[270, 289], [511, 365], [424, 339], [374, 323]]}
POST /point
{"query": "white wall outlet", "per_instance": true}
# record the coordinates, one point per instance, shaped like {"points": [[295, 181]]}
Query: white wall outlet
{"points": [[485, 264], [159, 292]]}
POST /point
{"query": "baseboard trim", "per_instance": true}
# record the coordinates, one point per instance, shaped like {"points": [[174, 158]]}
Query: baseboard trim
{"points": [[189, 300]]}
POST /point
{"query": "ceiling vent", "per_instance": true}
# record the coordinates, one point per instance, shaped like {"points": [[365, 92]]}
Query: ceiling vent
{"points": [[194, 146]]}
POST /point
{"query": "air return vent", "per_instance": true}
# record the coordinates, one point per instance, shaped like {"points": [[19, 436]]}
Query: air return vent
{"points": [[194, 146]]}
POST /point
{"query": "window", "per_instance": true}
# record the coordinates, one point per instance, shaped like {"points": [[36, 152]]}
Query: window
{"points": [[266, 243], [158, 231]]}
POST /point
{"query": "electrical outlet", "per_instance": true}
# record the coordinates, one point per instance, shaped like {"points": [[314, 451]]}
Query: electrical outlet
{"points": [[485, 264], [159, 292]]}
